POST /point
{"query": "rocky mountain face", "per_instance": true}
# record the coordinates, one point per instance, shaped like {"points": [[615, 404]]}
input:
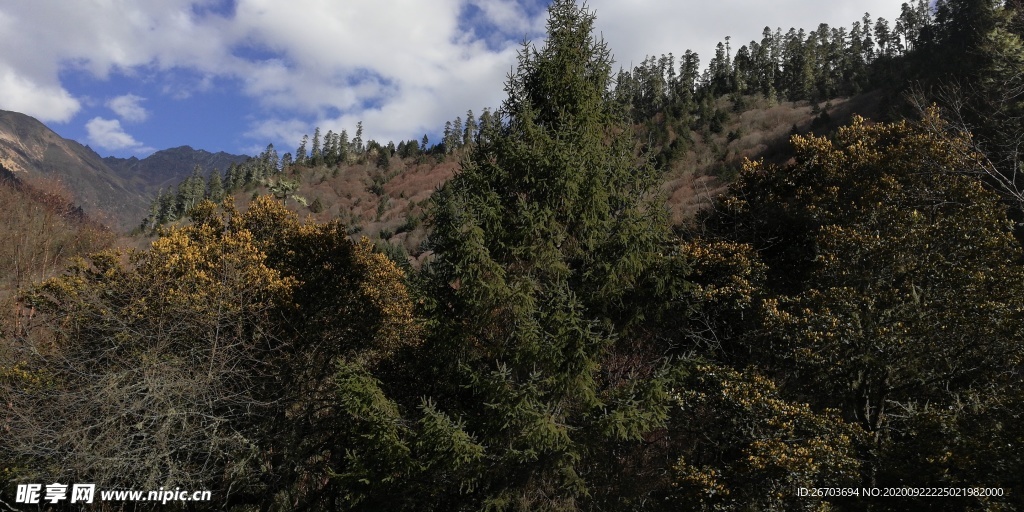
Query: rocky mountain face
{"points": [[114, 191]]}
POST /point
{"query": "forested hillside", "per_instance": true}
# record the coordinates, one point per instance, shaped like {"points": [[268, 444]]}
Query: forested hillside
{"points": [[650, 289]]}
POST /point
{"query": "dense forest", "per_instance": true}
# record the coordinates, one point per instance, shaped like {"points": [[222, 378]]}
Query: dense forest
{"points": [[847, 314]]}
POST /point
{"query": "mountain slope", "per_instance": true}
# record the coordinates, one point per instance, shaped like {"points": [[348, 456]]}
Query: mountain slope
{"points": [[32, 151]]}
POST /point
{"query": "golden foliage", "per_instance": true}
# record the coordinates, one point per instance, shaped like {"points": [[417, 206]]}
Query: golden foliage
{"points": [[384, 288], [196, 343], [756, 447]]}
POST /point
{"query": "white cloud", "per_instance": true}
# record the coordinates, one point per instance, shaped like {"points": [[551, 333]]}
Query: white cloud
{"points": [[401, 66], [128, 107], [510, 17], [108, 134], [44, 102], [288, 130]]}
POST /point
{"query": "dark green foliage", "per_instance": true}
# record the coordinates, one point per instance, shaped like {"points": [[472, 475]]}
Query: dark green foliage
{"points": [[357, 141], [384, 159], [316, 155], [214, 187], [539, 242]]}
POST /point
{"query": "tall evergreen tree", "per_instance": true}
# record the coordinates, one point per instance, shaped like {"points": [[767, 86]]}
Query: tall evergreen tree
{"points": [[214, 187], [539, 241], [446, 139], [457, 133], [330, 150], [357, 142], [344, 147], [190, 191], [316, 154], [269, 161], [469, 132], [300, 154]]}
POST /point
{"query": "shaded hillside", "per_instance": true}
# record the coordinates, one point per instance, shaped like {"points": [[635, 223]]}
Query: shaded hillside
{"points": [[165, 168], [29, 148]]}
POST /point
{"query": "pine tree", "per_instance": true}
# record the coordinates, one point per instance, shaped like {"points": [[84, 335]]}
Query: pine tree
{"points": [[214, 187], [344, 147], [446, 139], [330, 151], [316, 154], [538, 241], [153, 219], [457, 133], [485, 127], [357, 142], [469, 132], [268, 162], [300, 154], [190, 191]]}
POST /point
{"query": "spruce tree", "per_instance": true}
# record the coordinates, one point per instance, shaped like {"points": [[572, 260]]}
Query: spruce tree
{"points": [[343, 147], [540, 241], [357, 142], [447, 138], [469, 132], [300, 153], [214, 187], [316, 154], [457, 133]]}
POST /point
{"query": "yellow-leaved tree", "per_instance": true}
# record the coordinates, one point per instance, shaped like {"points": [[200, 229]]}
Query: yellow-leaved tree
{"points": [[894, 292], [208, 361]]}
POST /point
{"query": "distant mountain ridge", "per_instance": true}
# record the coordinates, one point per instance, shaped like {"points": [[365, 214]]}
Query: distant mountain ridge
{"points": [[164, 169], [115, 191]]}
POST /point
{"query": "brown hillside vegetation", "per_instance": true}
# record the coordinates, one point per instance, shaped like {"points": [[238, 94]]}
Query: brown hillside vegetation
{"points": [[42, 231], [391, 205], [761, 131]]}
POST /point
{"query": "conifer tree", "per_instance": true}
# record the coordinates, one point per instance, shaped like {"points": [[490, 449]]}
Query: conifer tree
{"points": [[190, 191], [469, 132], [457, 133], [538, 241], [343, 147], [153, 217], [316, 154], [269, 159], [357, 142], [300, 154], [447, 138], [214, 187], [485, 126]]}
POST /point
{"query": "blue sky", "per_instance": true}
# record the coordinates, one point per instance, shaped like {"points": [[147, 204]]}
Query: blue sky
{"points": [[130, 77]]}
